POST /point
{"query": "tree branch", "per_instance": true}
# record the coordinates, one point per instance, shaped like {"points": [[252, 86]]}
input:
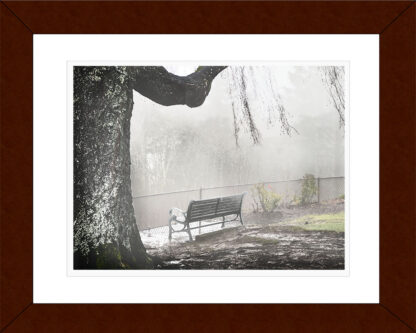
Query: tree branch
{"points": [[157, 84]]}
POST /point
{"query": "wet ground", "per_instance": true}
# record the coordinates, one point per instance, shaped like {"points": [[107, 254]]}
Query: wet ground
{"points": [[267, 241]]}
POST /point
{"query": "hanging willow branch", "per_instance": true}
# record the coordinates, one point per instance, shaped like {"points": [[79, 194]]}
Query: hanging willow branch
{"points": [[247, 113], [333, 78], [278, 107], [248, 100]]}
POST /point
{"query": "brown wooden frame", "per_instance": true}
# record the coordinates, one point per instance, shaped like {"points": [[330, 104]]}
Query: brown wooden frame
{"points": [[394, 21]]}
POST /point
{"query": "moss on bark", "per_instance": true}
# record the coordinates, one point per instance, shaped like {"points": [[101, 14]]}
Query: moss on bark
{"points": [[105, 231]]}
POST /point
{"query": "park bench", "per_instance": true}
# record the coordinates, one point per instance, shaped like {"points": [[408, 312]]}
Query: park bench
{"points": [[207, 209]]}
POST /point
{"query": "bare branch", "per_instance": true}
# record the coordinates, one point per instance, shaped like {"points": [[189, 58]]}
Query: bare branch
{"points": [[162, 87]]}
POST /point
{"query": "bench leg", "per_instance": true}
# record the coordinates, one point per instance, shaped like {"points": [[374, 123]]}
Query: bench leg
{"points": [[241, 220], [170, 229], [172, 218], [223, 222], [189, 232]]}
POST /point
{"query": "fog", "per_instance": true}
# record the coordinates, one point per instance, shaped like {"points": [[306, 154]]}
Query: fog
{"points": [[178, 148]]}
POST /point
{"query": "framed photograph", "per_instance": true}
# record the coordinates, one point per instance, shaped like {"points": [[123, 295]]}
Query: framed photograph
{"points": [[253, 154]]}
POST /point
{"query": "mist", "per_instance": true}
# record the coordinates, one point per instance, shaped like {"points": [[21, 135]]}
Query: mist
{"points": [[179, 148]]}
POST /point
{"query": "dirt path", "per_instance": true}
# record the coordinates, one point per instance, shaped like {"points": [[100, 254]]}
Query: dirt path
{"points": [[257, 247], [277, 241]]}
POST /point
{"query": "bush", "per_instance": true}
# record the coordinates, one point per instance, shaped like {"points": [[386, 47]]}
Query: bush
{"points": [[309, 189], [296, 201], [268, 199]]}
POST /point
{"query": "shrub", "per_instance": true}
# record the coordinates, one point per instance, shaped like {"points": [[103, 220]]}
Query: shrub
{"points": [[296, 200], [268, 199], [309, 189]]}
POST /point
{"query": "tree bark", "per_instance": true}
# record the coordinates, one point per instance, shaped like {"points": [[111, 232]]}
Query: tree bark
{"points": [[105, 231], [162, 87]]}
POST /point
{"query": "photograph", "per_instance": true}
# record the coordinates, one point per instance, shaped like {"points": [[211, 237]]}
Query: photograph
{"points": [[189, 166]]}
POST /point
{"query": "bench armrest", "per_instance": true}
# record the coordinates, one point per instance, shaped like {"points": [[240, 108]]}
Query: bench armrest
{"points": [[176, 213]]}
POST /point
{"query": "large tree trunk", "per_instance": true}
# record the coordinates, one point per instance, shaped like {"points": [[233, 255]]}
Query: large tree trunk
{"points": [[105, 231]]}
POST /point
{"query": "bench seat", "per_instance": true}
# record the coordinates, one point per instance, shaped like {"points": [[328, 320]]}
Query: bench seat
{"points": [[207, 209]]}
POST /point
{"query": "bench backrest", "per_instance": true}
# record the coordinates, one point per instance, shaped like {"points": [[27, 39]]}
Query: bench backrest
{"points": [[212, 208]]}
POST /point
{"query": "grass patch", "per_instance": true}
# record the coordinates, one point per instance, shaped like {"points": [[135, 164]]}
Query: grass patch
{"points": [[329, 222]]}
